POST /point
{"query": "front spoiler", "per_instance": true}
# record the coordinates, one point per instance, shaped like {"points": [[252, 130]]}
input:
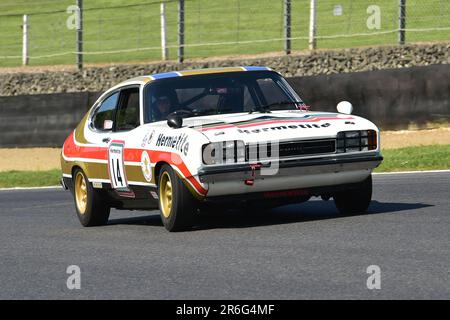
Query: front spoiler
{"points": [[286, 196], [289, 167]]}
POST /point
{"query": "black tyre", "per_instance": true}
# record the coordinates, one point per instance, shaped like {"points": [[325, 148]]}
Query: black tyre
{"points": [[355, 201], [176, 203], [91, 209]]}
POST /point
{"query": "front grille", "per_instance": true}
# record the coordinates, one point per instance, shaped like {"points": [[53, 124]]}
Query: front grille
{"points": [[307, 148], [290, 149]]}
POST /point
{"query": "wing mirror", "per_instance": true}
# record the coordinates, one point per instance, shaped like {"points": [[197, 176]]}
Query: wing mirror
{"points": [[174, 121], [344, 107], [107, 124]]}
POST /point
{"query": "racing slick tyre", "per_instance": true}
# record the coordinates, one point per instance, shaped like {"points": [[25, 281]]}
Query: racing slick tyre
{"points": [[91, 208], [355, 201], [176, 203]]}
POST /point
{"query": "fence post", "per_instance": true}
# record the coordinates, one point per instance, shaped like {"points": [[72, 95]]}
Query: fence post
{"points": [[164, 51], [180, 31], [312, 25], [402, 22], [80, 35], [25, 40], [287, 26]]}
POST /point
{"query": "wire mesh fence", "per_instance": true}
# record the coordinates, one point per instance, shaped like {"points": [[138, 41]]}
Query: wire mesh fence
{"points": [[130, 31]]}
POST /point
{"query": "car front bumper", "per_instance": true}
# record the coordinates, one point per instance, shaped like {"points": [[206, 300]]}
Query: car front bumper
{"points": [[288, 174]]}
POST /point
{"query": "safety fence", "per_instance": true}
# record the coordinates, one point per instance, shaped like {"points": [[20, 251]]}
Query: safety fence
{"points": [[77, 31]]}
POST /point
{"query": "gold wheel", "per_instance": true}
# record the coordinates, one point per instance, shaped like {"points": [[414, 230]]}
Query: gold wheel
{"points": [[80, 192], [165, 194]]}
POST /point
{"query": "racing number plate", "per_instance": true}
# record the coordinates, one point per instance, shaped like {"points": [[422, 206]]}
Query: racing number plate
{"points": [[116, 167]]}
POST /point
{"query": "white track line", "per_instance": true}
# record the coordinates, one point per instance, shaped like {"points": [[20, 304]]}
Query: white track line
{"points": [[375, 173], [30, 188], [412, 172]]}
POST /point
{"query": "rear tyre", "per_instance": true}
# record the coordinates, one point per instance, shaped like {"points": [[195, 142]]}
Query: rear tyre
{"points": [[176, 203], [355, 201], [91, 208]]}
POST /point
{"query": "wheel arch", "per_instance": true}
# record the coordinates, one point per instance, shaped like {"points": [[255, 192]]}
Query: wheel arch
{"points": [[75, 168], [191, 189], [158, 168]]}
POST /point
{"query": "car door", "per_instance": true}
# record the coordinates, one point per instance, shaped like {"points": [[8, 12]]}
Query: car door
{"points": [[99, 135], [126, 119]]}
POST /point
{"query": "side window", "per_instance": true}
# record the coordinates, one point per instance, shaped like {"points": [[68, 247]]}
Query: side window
{"points": [[127, 117], [105, 112]]}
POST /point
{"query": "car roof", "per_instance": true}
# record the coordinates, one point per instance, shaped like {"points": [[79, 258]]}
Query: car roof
{"points": [[175, 74]]}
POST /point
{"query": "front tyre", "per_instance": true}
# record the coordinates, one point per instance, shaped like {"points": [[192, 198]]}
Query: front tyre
{"points": [[90, 206], [176, 203], [355, 201]]}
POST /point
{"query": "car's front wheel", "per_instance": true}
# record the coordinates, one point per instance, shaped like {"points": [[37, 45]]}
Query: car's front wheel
{"points": [[176, 203], [356, 200], [91, 208]]}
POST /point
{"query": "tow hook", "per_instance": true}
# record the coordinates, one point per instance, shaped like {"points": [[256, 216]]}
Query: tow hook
{"points": [[251, 181]]}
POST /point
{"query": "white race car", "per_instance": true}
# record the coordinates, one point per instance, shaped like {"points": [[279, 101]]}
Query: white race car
{"points": [[184, 141]]}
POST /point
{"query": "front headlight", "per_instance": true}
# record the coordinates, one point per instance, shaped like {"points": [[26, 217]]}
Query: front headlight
{"points": [[352, 141], [223, 152]]}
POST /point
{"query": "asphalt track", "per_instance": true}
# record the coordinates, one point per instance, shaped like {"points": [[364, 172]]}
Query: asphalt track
{"points": [[296, 252]]}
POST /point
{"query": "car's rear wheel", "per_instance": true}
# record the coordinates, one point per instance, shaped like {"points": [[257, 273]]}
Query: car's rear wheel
{"points": [[91, 208], [356, 200], [176, 203]]}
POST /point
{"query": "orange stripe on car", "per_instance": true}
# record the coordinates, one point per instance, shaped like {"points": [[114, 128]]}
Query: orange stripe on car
{"points": [[72, 150]]}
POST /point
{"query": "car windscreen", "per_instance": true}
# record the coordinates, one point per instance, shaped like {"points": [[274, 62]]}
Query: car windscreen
{"points": [[217, 94]]}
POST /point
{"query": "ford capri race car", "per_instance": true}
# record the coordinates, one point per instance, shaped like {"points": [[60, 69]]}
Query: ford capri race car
{"points": [[192, 140]]}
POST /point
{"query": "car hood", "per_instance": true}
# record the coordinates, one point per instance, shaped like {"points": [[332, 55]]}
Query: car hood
{"points": [[276, 125]]}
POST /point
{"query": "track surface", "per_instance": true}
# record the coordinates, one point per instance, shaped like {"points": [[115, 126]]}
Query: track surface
{"points": [[295, 252]]}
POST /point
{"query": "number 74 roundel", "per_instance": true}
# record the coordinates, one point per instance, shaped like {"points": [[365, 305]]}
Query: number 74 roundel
{"points": [[116, 167]]}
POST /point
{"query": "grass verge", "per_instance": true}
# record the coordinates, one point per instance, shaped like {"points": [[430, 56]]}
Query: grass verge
{"points": [[12, 179], [434, 157], [136, 24]]}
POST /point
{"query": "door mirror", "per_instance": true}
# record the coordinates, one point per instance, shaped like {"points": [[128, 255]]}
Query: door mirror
{"points": [[344, 107], [108, 124], [174, 121]]}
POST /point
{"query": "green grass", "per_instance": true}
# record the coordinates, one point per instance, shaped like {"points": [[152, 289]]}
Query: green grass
{"points": [[434, 157], [207, 21], [406, 159], [11, 179]]}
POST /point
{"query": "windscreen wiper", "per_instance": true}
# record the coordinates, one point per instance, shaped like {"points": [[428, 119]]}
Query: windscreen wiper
{"points": [[211, 111], [186, 113], [182, 113], [268, 107]]}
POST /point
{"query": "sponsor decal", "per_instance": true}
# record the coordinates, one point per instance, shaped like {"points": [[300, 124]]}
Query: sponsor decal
{"points": [[178, 142], [146, 166], [283, 121], [285, 127], [147, 138], [151, 137]]}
